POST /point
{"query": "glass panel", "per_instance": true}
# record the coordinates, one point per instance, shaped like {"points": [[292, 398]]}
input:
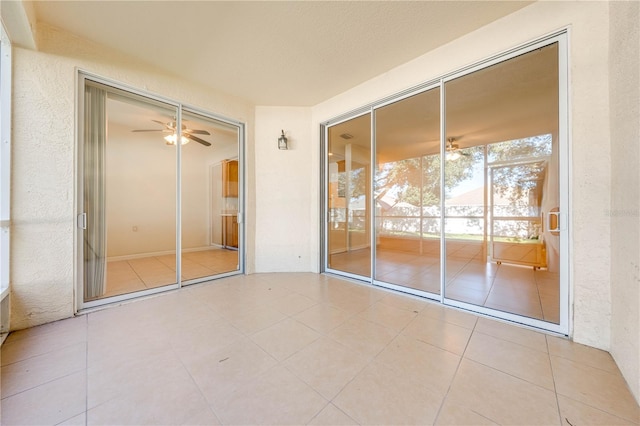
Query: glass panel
{"points": [[464, 209], [532, 147], [499, 254], [348, 189], [129, 193], [407, 192], [210, 189]]}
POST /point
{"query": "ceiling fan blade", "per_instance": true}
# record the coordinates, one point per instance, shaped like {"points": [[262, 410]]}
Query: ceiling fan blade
{"points": [[161, 123], [153, 130], [196, 139], [196, 132]]}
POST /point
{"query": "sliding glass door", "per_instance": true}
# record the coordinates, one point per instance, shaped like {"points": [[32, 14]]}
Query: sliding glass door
{"points": [[210, 194], [129, 195], [502, 127], [407, 193], [468, 192], [159, 195]]}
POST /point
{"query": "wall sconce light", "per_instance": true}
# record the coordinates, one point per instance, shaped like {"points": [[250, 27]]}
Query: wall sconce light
{"points": [[283, 142]]}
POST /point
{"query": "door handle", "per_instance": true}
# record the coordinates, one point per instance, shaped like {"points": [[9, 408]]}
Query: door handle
{"points": [[82, 221], [553, 221]]}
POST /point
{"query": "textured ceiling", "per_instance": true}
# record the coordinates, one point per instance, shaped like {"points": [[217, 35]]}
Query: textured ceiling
{"points": [[274, 53]]}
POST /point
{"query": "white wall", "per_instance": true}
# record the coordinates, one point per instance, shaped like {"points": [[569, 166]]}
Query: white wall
{"points": [[141, 193], [43, 211], [589, 110], [624, 80], [286, 191]]}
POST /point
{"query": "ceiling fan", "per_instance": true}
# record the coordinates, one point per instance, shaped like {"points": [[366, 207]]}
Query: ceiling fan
{"points": [[453, 150], [186, 133]]}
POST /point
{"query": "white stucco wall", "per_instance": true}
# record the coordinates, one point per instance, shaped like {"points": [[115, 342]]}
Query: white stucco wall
{"points": [[286, 191], [589, 127], [624, 80], [43, 171]]}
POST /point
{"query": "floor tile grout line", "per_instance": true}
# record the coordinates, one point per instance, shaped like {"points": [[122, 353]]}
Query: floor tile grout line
{"points": [[78, 343], [615, 373], [11, 340], [493, 282], [511, 375], [553, 379], [583, 402], [329, 403], [44, 353], [186, 369], [369, 362], [137, 275], [455, 374], [42, 384], [538, 293], [516, 343], [608, 413], [365, 366]]}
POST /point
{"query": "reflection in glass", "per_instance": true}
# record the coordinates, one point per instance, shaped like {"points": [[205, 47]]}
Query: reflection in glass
{"points": [[464, 210], [502, 124], [130, 194], [526, 148], [210, 189], [407, 192], [349, 177]]}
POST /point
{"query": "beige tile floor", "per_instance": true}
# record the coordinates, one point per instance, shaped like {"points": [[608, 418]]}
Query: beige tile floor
{"points": [[128, 276], [302, 348], [509, 288]]}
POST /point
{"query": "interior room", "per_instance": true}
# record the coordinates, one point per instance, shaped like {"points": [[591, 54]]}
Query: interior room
{"points": [[250, 212], [130, 191]]}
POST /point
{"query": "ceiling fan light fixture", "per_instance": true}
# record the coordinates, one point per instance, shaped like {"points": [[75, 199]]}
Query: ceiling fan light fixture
{"points": [[187, 135], [452, 150], [452, 156], [172, 138]]}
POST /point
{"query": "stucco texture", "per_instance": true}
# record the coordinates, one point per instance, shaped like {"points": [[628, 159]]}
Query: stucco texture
{"points": [[624, 79]]}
